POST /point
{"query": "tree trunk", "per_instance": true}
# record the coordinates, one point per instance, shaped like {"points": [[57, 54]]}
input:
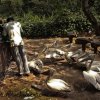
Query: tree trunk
{"points": [[86, 9]]}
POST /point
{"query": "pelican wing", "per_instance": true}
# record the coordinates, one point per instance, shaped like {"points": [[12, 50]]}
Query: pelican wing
{"points": [[69, 54], [31, 64], [89, 76], [97, 77], [58, 84], [48, 56]]}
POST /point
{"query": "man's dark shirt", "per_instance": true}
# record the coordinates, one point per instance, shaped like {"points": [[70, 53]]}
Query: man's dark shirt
{"points": [[1, 30]]}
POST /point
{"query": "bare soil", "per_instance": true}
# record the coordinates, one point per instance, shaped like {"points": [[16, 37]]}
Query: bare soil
{"points": [[15, 88]]}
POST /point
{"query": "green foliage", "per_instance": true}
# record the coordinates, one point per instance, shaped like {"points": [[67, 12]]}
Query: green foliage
{"points": [[45, 18], [35, 26]]}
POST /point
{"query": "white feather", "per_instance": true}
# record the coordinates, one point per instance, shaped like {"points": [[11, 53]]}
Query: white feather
{"points": [[58, 84], [48, 56], [95, 66], [52, 55], [69, 54], [89, 77], [60, 52], [55, 55], [35, 64], [92, 77]]}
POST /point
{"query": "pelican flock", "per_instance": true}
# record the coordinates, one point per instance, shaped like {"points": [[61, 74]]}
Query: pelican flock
{"points": [[92, 74]]}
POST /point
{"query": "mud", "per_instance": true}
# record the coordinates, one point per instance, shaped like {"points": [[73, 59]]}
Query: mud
{"points": [[15, 88]]}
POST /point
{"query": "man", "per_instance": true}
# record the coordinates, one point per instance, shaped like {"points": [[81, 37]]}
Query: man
{"points": [[13, 29], [1, 29], [3, 48]]}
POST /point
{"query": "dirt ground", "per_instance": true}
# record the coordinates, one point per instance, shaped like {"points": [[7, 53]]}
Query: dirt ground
{"points": [[15, 88]]}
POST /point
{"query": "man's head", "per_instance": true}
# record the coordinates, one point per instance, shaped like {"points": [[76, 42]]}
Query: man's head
{"points": [[10, 18]]}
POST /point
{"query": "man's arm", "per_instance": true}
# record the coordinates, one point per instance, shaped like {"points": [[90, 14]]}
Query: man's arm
{"points": [[21, 29], [4, 31], [19, 25], [4, 34]]}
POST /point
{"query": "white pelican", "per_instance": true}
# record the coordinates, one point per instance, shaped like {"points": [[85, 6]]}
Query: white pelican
{"points": [[68, 57], [87, 59], [60, 52], [76, 54], [57, 84], [50, 52], [36, 64], [73, 55], [93, 74], [93, 77], [86, 56], [53, 84], [52, 55], [95, 66]]}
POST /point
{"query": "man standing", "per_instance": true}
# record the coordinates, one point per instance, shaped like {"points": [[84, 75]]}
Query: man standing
{"points": [[13, 29], [1, 29]]}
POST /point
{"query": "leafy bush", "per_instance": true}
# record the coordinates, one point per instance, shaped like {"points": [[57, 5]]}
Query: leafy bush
{"points": [[35, 26], [46, 18]]}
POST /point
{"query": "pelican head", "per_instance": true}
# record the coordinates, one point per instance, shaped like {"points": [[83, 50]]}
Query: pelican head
{"points": [[35, 65]]}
